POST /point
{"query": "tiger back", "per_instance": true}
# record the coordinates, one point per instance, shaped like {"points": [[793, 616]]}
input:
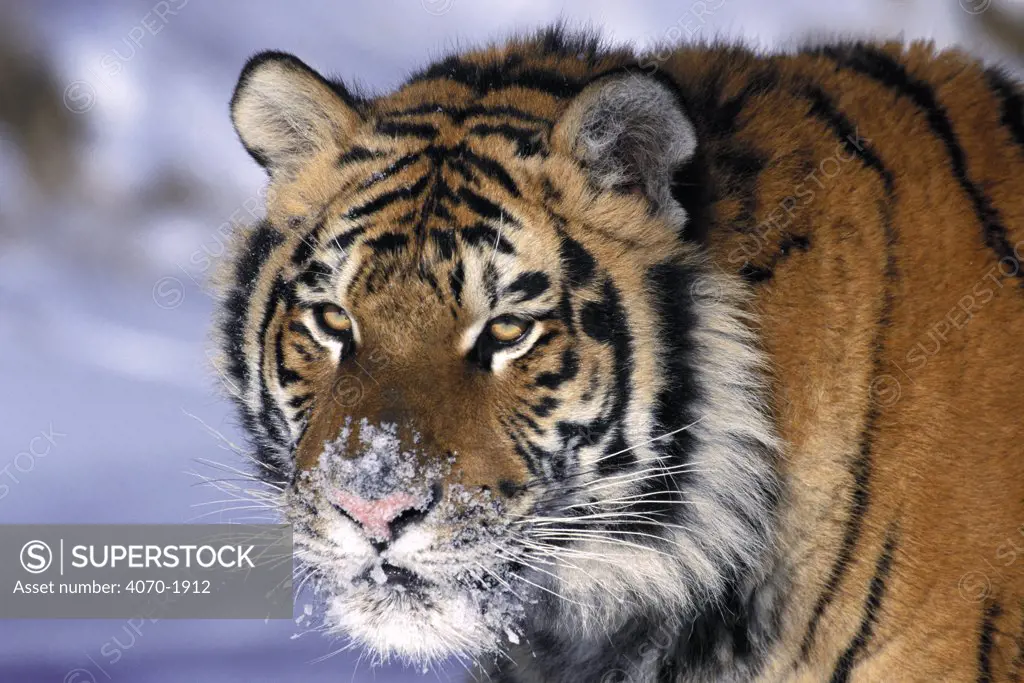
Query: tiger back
{"points": [[870, 196]]}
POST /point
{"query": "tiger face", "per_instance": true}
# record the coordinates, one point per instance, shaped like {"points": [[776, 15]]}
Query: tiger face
{"points": [[494, 388]]}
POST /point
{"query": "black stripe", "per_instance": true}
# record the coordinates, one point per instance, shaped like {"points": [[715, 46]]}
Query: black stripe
{"points": [[455, 281], [490, 283], [986, 641], [445, 241], [520, 419], [578, 263], [570, 368], [1017, 665], [285, 375], [271, 417], [309, 243], [872, 607], [439, 210], [755, 274], [824, 108], [297, 401], [262, 242], [303, 352], [527, 456], [876, 64], [438, 191], [501, 75], [1012, 103], [861, 469], [301, 329], [315, 274], [388, 243], [484, 236], [546, 405], [527, 141], [740, 168], [425, 131], [606, 322], [492, 169], [303, 250], [358, 154], [343, 241], [692, 190], [529, 286], [545, 339], [388, 198], [459, 166], [426, 274], [390, 170], [738, 626], [722, 117], [670, 285], [460, 114], [481, 205], [742, 164]]}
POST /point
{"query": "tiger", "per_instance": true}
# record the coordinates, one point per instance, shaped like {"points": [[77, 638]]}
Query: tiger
{"points": [[575, 362]]}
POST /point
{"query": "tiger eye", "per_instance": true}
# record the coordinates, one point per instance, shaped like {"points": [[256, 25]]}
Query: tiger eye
{"points": [[334, 318], [508, 329]]}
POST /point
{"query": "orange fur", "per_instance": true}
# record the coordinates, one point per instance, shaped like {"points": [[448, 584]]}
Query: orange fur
{"points": [[893, 329]]}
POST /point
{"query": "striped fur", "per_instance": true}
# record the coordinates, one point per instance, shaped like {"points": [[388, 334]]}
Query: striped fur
{"points": [[763, 424]]}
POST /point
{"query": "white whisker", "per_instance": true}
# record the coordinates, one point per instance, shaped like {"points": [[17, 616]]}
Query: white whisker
{"points": [[657, 438]]}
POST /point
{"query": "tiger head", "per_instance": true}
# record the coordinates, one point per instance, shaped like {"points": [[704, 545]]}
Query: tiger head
{"points": [[495, 389]]}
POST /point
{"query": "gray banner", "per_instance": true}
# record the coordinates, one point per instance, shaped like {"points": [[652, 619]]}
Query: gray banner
{"points": [[185, 571]]}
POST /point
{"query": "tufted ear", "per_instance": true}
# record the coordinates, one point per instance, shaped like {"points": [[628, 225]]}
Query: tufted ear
{"points": [[285, 112], [630, 133]]}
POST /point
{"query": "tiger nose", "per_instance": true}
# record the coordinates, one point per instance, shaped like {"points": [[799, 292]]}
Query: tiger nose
{"points": [[384, 519]]}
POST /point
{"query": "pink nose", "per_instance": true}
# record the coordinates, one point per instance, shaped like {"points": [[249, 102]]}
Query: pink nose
{"points": [[378, 517]]}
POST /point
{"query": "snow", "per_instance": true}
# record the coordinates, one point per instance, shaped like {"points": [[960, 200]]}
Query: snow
{"points": [[103, 316], [384, 468], [378, 575]]}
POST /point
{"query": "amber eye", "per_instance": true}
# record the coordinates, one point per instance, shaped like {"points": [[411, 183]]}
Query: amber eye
{"points": [[333, 319], [508, 329]]}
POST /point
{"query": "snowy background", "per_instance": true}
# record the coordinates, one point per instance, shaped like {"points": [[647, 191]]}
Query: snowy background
{"points": [[119, 177]]}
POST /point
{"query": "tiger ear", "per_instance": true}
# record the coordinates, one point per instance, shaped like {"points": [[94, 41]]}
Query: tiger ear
{"points": [[285, 112], [630, 133]]}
